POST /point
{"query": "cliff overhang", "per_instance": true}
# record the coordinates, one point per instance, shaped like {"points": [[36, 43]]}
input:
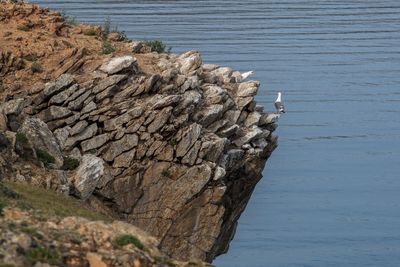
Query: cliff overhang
{"points": [[163, 141]]}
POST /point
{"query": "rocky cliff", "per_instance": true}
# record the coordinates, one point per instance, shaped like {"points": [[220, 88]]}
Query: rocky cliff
{"points": [[163, 141]]}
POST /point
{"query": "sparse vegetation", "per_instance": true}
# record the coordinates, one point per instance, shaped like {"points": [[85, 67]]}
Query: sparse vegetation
{"points": [[157, 46], [90, 32], [70, 164], [30, 57], [40, 254], [123, 240], [21, 138], [51, 203], [107, 48], [36, 67], [31, 232], [107, 26], [70, 20], [45, 157], [24, 28], [173, 142], [166, 173], [122, 34]]}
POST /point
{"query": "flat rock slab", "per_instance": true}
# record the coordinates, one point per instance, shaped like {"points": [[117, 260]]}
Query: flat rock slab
{"points": [[117, 64]]}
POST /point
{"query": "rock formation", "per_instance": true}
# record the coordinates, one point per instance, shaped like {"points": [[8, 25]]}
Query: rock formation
{"points": [[165, 142]]}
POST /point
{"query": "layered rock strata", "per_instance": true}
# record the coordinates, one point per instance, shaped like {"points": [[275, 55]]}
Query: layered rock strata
{"points": [[165, 142]]}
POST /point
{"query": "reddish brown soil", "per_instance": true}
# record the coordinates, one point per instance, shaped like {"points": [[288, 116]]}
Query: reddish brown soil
{"points": [[29, 33]]}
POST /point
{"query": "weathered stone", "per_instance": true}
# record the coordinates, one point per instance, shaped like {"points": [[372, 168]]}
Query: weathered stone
{"points": [[79, 127], [268, 119], [129, 192], [115, 123], [149, 85], [42, 138], [73, 118], [209, 67], [62, 82], [76, 94], [95, 142], [62, 135], [243, 102], [4, 142], [88, 175], [89, 107], [78, 102], [229, 131], [251, 134], [189, 61], [118, 64], [166, 154], [214, 94], [208, 115], [54, 113], [13, 106], [189, 137], [213, 149], [191, 157], [191, 97], [107, 82], [85, 134], [125, 159], [248, 89], [166, 101], [154, 146], [252, 119], [64, 95], [223, 74], [219, 173], [3, 122], [160, 120], [232, 159], [118, 147]]}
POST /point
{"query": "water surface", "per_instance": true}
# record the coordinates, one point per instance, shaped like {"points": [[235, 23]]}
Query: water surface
{"points": [[330, 196]]}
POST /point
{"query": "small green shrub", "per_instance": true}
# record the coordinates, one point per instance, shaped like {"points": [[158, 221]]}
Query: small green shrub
{"points": [[90, 32], [122, 34], [70, 20], [166, 173], [24, 28], [157, 46], [32, 232], [173, 142], [40, 254], [123, 240], [107, 48], [107, 26], [21, 138], [30, 57], [45, 157], [70, 164], [36, 67]]}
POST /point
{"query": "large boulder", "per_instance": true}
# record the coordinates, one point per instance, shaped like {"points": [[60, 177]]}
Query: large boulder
{"points": [[41, 138], [88, 175]]}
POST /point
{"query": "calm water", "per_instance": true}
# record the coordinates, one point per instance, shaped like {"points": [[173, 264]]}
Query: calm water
{"points": [[331, 192]]}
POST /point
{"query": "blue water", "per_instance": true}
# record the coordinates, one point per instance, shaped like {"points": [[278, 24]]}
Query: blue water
{"points": [[331, 191]]}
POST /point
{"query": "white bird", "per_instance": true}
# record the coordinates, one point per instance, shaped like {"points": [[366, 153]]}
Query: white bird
{"points": [[246, 75], [279, 104]]}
